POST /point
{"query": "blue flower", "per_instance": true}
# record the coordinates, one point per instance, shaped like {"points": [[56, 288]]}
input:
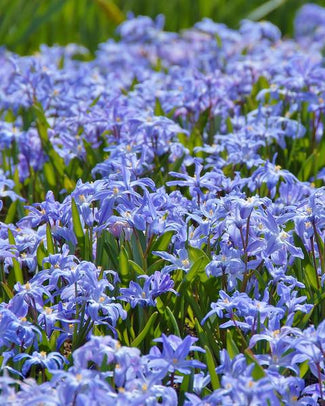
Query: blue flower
{"points": [[180, 262], [174, 354], [154, 286], [52, 360]]}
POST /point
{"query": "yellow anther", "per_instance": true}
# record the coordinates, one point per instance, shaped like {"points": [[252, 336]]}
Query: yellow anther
{"points": [[28, 286], [185, 262], [275, 333], [48, 310], [283, 235]]}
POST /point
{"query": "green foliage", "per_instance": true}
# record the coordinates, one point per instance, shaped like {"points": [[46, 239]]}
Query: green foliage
{"points": [[174, 314], [24, 25]]}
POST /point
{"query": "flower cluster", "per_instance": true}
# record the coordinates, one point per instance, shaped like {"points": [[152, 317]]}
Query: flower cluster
{"points": [[162, 211]]}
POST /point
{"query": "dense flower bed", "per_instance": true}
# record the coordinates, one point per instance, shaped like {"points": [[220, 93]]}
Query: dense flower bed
{"points": [[163, 218]]}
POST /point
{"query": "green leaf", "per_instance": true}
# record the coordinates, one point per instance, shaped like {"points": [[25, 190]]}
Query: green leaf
{"points": [[207, 338], [111, 10], [49, 240], [258, 371], [107, 251], [11, 212], [77, 227], [88, 256], [198, 270], [173, 321], [124, 265], [162, 243], [160, 306], [42, 127], [7, 290], [265, 9], [231, 345], [201, 333], [138, 340], [17, 269], [196, 253], [39, 20], [307, 167], [156, 266], [49, 173], [138, 246], [41, 253], [186, 387], [211, 368], [305, 319], [251, 102], [136, 267], [311, 276], [92, 157], [158, 111], [303, 368]]}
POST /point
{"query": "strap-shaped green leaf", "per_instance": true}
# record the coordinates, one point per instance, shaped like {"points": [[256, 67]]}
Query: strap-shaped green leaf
{"points": [[77, 226], [17, 269], [49, 240], [145, 331], [212, 368], [173, 321]]}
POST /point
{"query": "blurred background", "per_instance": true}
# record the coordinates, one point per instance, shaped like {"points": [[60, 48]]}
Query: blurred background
{"points": [[25, 24]]}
